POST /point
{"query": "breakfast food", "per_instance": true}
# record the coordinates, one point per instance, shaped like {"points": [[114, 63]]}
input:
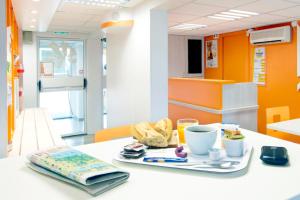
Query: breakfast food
{"points": [[165, 128], [157, 135], [233, 134], [145, 134]]}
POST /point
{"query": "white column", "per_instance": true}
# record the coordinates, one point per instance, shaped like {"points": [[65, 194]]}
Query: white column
{"points": [[3, 82], [159, 64], [137, 77], [94, 86], [31, 74]]}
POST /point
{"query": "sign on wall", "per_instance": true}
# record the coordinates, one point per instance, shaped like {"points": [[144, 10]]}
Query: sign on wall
{"points": [[259, 68], [212, 54]]}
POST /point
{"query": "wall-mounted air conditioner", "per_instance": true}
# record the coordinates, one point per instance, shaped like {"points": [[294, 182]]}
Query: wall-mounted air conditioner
{"points": [[271, 36]]}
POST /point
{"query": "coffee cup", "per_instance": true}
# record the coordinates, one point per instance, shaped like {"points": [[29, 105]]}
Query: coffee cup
{"points": [[200, 138]]}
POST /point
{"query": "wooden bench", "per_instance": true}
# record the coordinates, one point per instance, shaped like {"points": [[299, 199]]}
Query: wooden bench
{"points": [[34, 131]]}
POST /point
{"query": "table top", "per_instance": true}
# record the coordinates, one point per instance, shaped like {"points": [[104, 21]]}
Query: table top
{"points": [[290, 126], [258, 181]]}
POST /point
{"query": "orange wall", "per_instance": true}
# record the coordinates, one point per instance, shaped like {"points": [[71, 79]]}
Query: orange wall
{"points": [[281, 69], [15, 50]]}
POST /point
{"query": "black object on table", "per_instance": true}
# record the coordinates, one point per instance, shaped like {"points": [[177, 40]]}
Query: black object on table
{"points": [[273, 155]]}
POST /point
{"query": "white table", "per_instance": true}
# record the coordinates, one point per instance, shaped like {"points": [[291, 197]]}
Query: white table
{"points": [[290, 126], [258, 181]]}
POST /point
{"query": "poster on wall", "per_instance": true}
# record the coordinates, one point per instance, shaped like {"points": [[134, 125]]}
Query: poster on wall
{"points": [[212, 54], [259, 73]]}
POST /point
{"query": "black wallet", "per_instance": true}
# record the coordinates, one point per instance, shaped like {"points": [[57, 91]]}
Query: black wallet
{"points": [[274, 155]]}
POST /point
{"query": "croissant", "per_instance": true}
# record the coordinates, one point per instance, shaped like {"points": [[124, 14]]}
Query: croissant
{"points": [[147, 135]]}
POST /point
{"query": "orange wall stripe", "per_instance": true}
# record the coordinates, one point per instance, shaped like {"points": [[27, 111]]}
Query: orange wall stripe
{"points": [[117, 24]]}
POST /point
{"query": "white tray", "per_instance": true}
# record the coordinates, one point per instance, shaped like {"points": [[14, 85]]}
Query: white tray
{"points": [[170, 152]]}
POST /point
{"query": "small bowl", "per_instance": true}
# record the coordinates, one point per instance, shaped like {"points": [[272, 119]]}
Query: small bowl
{"points": [[200, 138], [234, 148]]}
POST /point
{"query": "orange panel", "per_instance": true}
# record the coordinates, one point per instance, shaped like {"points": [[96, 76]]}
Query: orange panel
{"points": [[117, 23], [113, 133], [179, 112], [207, 93]]}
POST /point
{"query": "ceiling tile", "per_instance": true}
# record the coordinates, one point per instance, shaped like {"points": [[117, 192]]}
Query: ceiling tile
{"points": [[226, 3], [265, 18], [294, 1], [264, 6], [70, 17], [171, 4], [198, 9], [207, 21], [289, 12], [170, 24], [173, 17]]}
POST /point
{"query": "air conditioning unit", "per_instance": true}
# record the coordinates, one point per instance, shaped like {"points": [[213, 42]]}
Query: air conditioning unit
{"points": [[271, 36]]}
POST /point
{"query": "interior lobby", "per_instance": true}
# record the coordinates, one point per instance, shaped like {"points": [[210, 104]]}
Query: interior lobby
{"points": [[197, 97]]}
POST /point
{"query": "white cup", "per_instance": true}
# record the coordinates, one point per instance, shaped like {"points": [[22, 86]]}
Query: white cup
{"points": [[234, 148], [200, 138]]}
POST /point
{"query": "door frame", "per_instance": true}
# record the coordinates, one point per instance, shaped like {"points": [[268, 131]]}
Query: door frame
{"points": [[38, 38]]}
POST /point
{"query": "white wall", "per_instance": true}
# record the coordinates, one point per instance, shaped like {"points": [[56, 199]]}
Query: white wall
{"points": [[137, 69], [30, 74], [3, 83], [178, 55]]}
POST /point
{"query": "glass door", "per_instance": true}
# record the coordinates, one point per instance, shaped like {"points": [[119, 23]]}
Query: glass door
{"points": [[62, 83]]}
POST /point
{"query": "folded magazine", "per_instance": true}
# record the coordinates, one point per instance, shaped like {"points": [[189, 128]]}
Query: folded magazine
{"points": [[78, 169]]}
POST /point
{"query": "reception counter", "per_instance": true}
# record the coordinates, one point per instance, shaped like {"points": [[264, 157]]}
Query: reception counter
{"points": [[212, 101]]}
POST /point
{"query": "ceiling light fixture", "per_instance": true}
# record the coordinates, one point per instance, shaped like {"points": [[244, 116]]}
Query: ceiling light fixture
{"points": [[34, 12], [32, 26], [102, 3], [222, 18], [235, 14], [188, 26], [244, 12], [36, 0], [228, 16]]}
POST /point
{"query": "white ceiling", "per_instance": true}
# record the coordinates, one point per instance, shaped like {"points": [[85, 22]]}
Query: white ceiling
{"points": [[86, 19], [35, 15], [81, 18], [196, 12]]}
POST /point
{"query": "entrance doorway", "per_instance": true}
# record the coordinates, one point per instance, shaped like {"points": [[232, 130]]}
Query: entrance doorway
{"points": [[61, 75]]}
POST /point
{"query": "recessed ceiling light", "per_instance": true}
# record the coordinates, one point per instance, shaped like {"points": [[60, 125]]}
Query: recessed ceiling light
{"points": [[222, 18], [103, 3], [228, 16], [235, 14], [188, 26], [34, 12], [244, 12]]}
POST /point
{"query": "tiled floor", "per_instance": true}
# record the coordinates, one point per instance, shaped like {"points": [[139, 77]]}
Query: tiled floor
{"points": [[79, 140], [69, 126], [35, 130]]}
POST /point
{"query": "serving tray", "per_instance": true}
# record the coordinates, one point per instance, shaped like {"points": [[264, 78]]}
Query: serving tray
{"points": [[170, 152]]}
